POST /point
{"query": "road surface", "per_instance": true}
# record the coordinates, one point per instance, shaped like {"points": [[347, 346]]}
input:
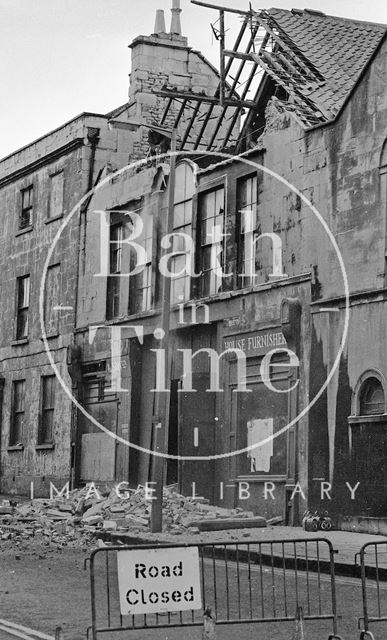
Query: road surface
{"points": [[44, 590]]}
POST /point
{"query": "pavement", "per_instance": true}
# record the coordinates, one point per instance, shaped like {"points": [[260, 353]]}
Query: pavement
{"points": [[346, 545]]}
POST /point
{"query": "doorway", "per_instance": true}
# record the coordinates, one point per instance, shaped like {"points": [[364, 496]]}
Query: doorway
{"points": [[97, 449]]}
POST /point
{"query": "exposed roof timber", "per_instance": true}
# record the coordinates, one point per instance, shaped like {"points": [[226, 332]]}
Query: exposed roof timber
{"points": [[220, 8], [286, 43], [268, 44], [222, 74], [165, 112], [180, 114], [238, 111], [235, 81], [292, 89], [236, 54], [204, 125], [188, 95], [190, 124]]}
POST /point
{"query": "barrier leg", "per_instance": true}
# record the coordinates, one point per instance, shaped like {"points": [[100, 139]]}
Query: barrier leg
{"points": [[209, 625], [299, 631], [59, 635]]}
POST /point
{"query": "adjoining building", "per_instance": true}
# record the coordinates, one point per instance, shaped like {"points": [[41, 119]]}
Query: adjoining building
{"points": [[40, 185]]}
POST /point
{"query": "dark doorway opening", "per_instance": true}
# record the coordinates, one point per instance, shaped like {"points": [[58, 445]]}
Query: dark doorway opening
{"points": [[173, 434]]}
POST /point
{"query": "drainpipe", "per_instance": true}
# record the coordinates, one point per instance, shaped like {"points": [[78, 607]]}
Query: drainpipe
{"points": [[93, 140], [2, 380]]}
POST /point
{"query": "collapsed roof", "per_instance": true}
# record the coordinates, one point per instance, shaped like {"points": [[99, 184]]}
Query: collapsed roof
{"points": [[310, 61]]}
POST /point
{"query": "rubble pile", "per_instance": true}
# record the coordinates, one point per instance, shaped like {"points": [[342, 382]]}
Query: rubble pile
{"points": [[77, 518]]}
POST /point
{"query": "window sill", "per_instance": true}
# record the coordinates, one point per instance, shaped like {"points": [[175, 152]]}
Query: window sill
{"points": [[134, 316], [50, 336], [21, 341], [15, 447], [49, 220], [25, 230], [378, 417], [45, 447]]}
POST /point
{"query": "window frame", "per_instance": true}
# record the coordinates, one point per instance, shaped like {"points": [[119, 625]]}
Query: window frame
{"points": [[22, 310], [16, 437], [44, 411], [113, 282], [26, 208], [244, 281], [219, 185], [144, 292], [186, 228]]}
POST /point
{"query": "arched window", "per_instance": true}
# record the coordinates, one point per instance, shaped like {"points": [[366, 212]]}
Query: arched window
{"points": [[372, 400], [368, 443], [369, 397]]}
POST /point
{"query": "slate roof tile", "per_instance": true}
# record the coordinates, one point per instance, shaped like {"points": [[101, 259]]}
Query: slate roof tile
{"points": [[339, 48]]}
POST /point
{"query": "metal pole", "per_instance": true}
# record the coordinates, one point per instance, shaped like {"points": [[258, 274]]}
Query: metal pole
{"points": [[222, 65], [161, 411]]}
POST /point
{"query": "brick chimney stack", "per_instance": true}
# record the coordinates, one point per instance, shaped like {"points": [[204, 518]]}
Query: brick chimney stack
{"points": [[161, 60]]}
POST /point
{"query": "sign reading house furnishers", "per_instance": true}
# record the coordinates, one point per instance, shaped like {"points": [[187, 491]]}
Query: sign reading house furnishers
{"points": [[158, 580]]}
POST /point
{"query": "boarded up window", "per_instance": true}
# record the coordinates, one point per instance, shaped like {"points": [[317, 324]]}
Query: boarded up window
{"points": [[52, 300], [55, 207]]}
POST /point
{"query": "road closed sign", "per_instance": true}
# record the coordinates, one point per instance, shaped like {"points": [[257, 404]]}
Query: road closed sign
{"points": [[159, 580]]}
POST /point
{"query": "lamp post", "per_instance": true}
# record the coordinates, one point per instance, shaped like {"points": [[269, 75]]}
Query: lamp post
{"points": [[161, 406], [161, 403]]}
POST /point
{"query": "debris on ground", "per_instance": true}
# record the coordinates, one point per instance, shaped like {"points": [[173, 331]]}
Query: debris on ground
{"points": [[76, 518]]}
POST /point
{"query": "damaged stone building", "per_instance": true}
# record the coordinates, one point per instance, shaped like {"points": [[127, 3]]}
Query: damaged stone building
{"points": [[280, 182]]}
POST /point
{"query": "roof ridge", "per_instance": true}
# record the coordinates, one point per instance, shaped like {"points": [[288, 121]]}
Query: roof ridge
{"points": [[320, 14]]}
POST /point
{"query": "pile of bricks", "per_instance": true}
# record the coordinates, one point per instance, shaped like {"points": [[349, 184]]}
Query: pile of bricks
{"points": [[75, 518]]}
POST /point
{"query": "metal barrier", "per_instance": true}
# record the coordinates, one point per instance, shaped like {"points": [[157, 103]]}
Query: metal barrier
{"points": [[240, 583], [373, 567]]}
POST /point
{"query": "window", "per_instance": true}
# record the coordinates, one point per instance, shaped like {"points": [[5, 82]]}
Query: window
{"points": [[113, 280], [368, 443], [247, 214], [372, 398], [23, 300], [47, 407], [52, 300], [140, 293], [25, 219], [55, 206], [17, 413], [211, 230], [182, 223]]}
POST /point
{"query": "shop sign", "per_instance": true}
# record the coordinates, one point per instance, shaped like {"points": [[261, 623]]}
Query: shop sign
{"points": [[256, 343]]}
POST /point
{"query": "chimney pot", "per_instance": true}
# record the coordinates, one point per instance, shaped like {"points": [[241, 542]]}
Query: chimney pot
{"points": [[175, 20], [159, 22]]}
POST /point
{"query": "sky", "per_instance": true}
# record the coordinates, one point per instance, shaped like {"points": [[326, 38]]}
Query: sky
{"points": [[62, 57]]}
